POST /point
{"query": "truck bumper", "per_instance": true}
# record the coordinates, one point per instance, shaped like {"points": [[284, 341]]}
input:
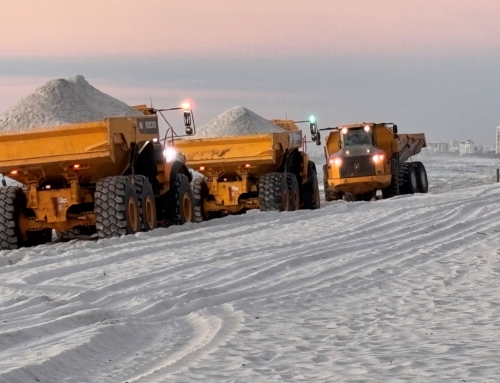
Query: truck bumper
{"points": [[359, 185]]}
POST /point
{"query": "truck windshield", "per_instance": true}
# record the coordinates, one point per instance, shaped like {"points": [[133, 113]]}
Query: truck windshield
{"points": [[357, 137]]}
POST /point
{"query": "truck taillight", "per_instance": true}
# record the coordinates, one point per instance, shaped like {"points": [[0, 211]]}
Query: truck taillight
{"points": [[77, 166], [14, 172], [248, 166], [202, 168]]}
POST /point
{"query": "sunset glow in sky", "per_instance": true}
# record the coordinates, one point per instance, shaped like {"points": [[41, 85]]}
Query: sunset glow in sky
{"points": [[343, 57], [55, 28]]}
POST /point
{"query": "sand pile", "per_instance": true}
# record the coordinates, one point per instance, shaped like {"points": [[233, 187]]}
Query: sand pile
{"points": [[62, 102], [237, 121]]}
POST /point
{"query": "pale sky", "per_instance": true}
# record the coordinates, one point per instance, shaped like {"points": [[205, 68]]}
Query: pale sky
{"points": [[431, 66]]}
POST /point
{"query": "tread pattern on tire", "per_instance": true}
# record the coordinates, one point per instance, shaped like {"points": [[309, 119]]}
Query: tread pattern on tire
{"points": [[404, 177], [39, 237], [175, 210], [139, 184], [270, 191], [419, 169], [393, 189], [110, 207], [74, 232], [10, 199], [200, 190], [68, 235], [142, 184], [315, 204], [329, 195], [293, 188], [308, 189]]}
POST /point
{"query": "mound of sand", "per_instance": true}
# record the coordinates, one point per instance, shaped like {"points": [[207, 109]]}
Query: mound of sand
{"points": [[237, 121], [61, 102]]}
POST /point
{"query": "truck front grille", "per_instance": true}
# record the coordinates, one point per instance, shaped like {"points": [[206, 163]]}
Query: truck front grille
{"points": [[357, 167]]}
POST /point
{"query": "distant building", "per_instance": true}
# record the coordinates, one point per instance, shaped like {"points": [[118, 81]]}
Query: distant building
{"points": [[488, 150], [438, 147], [454, 146], [466, 147], [497, 151]]}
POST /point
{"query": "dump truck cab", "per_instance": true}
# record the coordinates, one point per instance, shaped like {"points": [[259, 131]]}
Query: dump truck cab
{"points": [[366, 157]]}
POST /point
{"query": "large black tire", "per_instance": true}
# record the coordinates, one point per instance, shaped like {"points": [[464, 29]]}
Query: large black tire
{"points": [[75, 232], [273, 192], [293, 189], [146, 203], [310, 190], [393, 189], [180, 202], [70, 234], [365, 196], [200, 194], [39, 237], [407, 178], [116, 207], [12, 203], [422, 181], [331, 195]]}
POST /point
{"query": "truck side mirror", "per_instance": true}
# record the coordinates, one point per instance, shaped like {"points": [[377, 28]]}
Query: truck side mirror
{"points": [[313, 126], [187, 122], [395, 129], [318, 139]]}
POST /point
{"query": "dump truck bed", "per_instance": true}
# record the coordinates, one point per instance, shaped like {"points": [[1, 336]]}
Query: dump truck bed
{"points": [[68, 143], [98, 149], [224, 152], [410, 145]]}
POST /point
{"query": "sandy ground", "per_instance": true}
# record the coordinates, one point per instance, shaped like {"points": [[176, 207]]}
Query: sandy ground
{"points": [[400, 290]]}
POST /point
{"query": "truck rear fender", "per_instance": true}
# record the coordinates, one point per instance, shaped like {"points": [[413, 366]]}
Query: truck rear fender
{"points": [[304, 166], [177, 167]]}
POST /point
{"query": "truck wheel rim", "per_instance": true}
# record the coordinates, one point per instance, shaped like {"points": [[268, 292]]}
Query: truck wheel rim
{"points": [[187, 207], [132, 215], [150, 214]]}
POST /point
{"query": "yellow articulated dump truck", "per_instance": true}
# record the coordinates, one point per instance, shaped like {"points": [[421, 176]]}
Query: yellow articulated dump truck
{"points": [[364, 158], [262, 171], [111, 177]]}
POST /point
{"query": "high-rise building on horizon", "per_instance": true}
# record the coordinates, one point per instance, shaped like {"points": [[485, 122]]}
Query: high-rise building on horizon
{"points": [[497, 150], [438, 147], [454, 146], [466, 147]]}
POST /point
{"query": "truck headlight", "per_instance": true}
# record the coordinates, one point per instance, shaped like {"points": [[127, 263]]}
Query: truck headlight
{"points": [[337, 161], [170, 154], [378, 158]]}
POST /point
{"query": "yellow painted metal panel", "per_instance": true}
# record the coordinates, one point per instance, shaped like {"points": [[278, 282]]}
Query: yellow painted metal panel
{"points": [[49, 145]]}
